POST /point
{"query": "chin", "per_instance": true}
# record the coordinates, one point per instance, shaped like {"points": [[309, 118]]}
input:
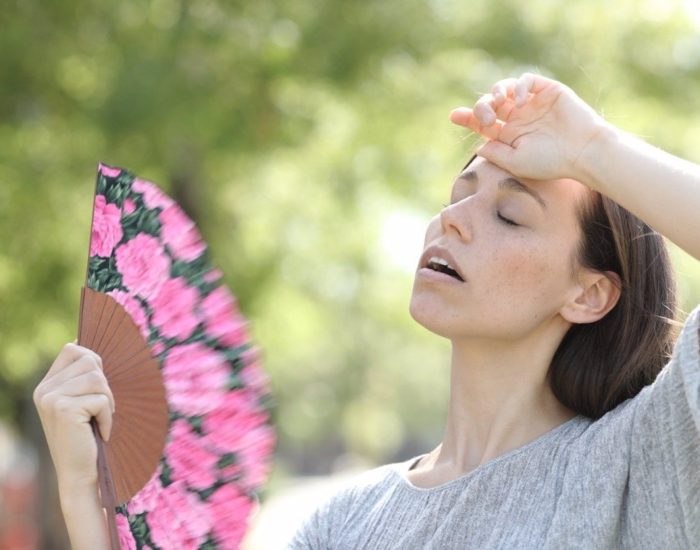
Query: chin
{"points": [[482, 320], [434, 316]]}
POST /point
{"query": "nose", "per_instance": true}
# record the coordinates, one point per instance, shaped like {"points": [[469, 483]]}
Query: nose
{"points": [[457, 218]]}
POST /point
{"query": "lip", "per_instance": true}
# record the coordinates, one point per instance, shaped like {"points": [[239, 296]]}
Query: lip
{"points": [[445, 254], [437, 276]]}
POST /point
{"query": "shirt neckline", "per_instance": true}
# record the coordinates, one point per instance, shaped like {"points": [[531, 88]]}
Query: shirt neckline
{"points": [[402, 468]]}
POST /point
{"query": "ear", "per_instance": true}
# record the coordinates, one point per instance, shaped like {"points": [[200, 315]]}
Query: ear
{"points": [[595, 295]]}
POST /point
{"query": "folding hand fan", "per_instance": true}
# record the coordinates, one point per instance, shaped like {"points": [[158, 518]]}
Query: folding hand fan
{"points": [[191, 441]]}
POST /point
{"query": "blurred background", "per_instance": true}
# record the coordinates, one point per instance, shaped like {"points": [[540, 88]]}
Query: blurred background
{"points": [[310, 141]]}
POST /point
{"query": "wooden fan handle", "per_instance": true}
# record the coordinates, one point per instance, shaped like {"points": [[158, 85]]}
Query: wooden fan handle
{"points": [[107, 494]]}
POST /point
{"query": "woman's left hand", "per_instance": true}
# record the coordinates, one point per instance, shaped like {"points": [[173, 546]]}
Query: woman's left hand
{"points": [[538, 128]]}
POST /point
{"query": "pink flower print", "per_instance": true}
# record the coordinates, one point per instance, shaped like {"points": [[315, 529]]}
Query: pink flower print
{"points": [[126, 539], [256, 458], [195, 378], [230, 511], [174, 309], [133, 308], [177, 518], [255, 379], [147, 497], [143, 264], [108, 171], [239, 426], [153, 197], [253, 450], [129, 206], [106, 228], [157, 348], [213, 276], [222, 318], [180, 234], [252, 374], [189, 459]]}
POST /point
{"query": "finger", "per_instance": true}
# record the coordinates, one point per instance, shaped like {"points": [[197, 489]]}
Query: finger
{"points": [[63, 373], [464, 116], [84, 364], [485, 111], [504, 110], [522, 89], [529, 83], [503, 89], [69, 354], [498, 153], [489, 111], [92, 382], [97, 405], [69, 410]]}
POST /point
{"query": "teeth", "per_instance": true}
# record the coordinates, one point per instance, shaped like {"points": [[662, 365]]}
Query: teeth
{"points": [[435, 261], [440, 261]]}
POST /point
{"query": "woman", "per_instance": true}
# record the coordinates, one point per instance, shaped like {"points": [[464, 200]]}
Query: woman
{"points": [[555, 301], [558, 304]]}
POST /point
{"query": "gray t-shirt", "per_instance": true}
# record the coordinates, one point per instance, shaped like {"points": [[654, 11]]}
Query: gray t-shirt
{"points": [[628, 480]]}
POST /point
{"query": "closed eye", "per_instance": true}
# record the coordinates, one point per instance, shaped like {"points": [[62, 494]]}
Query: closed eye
{"points": [[506, 220]]}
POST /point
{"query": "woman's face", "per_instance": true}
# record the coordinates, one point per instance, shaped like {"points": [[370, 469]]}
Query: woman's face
{"points": [[516, 277]]}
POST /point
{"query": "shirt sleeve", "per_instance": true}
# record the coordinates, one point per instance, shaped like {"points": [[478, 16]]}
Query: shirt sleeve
{"points": [[316, 531], [665, 437], [311, 534]]}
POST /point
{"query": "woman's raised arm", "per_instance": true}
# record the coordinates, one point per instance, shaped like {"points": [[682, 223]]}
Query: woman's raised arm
{"points": [[540, 129]]}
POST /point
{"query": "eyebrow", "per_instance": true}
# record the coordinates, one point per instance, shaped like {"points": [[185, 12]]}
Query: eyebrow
{"points": [[507, 184]]}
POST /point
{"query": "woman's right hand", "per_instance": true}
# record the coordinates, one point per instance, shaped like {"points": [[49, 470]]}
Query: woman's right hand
{"points": [[72, 392]]}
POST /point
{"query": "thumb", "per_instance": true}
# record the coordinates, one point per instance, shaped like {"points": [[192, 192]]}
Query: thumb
{"points": [[499, 154]]}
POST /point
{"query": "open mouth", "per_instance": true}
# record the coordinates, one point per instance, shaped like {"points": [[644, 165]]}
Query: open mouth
{"points": [[438, 264]]}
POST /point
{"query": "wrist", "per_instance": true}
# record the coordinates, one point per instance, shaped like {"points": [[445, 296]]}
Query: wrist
{"points": [[589, 165], [76, 492], [84, 517]]}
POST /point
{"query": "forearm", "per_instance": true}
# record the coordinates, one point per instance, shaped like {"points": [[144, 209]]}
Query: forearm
{"points": [[661, 189], [85, 519]]}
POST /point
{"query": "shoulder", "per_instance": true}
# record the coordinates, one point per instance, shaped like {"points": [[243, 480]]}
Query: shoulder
{"points": [[683, 369], [327, 522], [668, 407], [365, 485], [688, 340]]}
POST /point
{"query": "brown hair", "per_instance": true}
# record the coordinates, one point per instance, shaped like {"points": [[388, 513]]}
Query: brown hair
{"points": [[599, 365]]}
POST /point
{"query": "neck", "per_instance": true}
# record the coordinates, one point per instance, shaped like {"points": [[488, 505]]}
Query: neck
{"points": [[500, 400]]}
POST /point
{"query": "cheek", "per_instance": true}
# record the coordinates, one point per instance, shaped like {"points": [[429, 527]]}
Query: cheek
{"points": [[522, 273]]}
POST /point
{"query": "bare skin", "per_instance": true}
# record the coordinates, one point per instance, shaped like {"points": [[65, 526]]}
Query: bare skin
{"points": [[72, 392], [507, 319], [518, 301]]}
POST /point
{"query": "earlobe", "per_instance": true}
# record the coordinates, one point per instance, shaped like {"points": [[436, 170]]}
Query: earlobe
{"points": [[597, 294]]}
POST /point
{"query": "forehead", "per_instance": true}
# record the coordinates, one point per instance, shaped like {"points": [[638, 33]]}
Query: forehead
{"points": [[564, 194]]}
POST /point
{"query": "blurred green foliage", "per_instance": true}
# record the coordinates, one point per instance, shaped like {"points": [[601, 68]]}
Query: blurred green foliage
{"points": [[309, 139]]}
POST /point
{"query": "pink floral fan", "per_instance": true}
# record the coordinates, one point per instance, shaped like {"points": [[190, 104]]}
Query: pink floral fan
{"points": [[168, 329]]}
